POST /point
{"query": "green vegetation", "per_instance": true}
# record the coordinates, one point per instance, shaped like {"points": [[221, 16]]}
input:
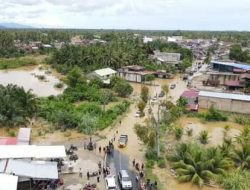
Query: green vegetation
{"points": [[193, 163], [236, 53], [213, 115], [144, 94], [200, 165], [65, 115], [16, 62], [17, 106], [203, 137], [236, 180], [178, 133], [59, 85], [121, 86]]}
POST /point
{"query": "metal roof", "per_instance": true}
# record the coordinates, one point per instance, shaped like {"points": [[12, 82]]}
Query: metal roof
{"points": [[225, 95], [8, 182], [30, 169], [236, 65], [105, 72], [31, 151]]}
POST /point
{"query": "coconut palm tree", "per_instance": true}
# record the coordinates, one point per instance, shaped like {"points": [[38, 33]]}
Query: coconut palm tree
{"points": [[198, 165], [203, 137], [241, 156]]}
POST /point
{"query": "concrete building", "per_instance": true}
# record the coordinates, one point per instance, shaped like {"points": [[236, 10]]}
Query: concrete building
{"points": [[134, 73], [167, 58], [225, 101], [104, 74], [230, 67]]}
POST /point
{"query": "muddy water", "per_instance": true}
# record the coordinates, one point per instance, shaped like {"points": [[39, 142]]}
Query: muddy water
{"points": [[155, 88], [26, 78], [215, 129]]}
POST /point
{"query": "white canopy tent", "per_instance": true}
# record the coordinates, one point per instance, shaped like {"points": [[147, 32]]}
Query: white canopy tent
{"points": [[8, 182], [31, 151]]}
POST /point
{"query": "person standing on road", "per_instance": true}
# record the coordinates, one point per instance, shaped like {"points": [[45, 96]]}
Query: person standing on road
{"points": [[100, 149], [133, 162], [80, 172], [98, 179], [142, 166], [88, 175]]}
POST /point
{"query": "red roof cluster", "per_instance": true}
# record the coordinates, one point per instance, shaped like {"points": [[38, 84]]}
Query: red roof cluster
{"points": [[190, 94]]}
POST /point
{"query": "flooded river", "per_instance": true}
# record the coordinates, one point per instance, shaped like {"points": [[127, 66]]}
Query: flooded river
{"points": [[28, 80]]}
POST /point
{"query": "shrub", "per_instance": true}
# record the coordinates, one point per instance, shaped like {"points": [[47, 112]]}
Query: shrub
{"points": [[161, 163], [189, 132], [150, 164], [213, 115], [178, 133], [59, 85], [203, 137], [41, 77], [151, 155], [11, 133]]}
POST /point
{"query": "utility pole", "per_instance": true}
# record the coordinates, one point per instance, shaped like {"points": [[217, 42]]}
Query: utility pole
{"points": [[158, 132]]}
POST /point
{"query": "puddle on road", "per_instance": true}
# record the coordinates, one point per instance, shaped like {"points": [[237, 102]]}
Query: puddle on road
{"points": [[26, 78]]}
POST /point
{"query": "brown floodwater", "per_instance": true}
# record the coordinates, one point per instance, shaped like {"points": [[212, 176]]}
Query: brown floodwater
{"points": [[215, 129], [26, 78], [155, 87]]}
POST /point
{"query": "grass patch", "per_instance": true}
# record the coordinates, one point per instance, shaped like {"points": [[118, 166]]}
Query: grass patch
{"points": [[16, 62]]}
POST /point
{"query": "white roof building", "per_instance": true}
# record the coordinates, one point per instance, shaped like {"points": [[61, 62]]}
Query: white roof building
{"points": [[31, 151], [30, 169], [231, 96], [8, 182], [105, 74]]}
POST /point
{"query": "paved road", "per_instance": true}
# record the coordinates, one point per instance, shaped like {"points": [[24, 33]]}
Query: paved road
{"points": [[118, 162]]}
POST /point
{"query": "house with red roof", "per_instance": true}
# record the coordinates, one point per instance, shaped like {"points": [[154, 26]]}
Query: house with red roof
{"points": [[191, 96]]}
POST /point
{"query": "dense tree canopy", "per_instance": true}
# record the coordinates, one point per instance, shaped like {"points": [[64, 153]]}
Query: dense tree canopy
{"points": [[17, 106], [236, 53]]}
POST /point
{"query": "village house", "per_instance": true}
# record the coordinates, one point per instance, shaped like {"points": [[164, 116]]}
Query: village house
{"points": [[191, 96], [134, 73], [167, 58], [104, 74], [230, 102]]}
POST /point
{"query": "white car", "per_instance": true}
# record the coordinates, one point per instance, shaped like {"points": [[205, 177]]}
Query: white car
{"points": [[110, 183], [124, 180], [154, 100], [137, 114]]}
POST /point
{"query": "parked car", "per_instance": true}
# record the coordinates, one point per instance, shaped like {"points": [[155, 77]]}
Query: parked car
{"points": [[172, 86], [161, 94], [124, 180], [137, 114], [123, 140], [154, 100], [110, 183]]}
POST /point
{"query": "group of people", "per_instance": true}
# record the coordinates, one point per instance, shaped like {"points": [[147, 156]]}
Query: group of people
{"points": [[139, 168], [143, 186]]}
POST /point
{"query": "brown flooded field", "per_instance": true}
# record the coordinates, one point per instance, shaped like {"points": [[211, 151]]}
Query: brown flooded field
{"points": [[26, 77], [215, 129]]}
